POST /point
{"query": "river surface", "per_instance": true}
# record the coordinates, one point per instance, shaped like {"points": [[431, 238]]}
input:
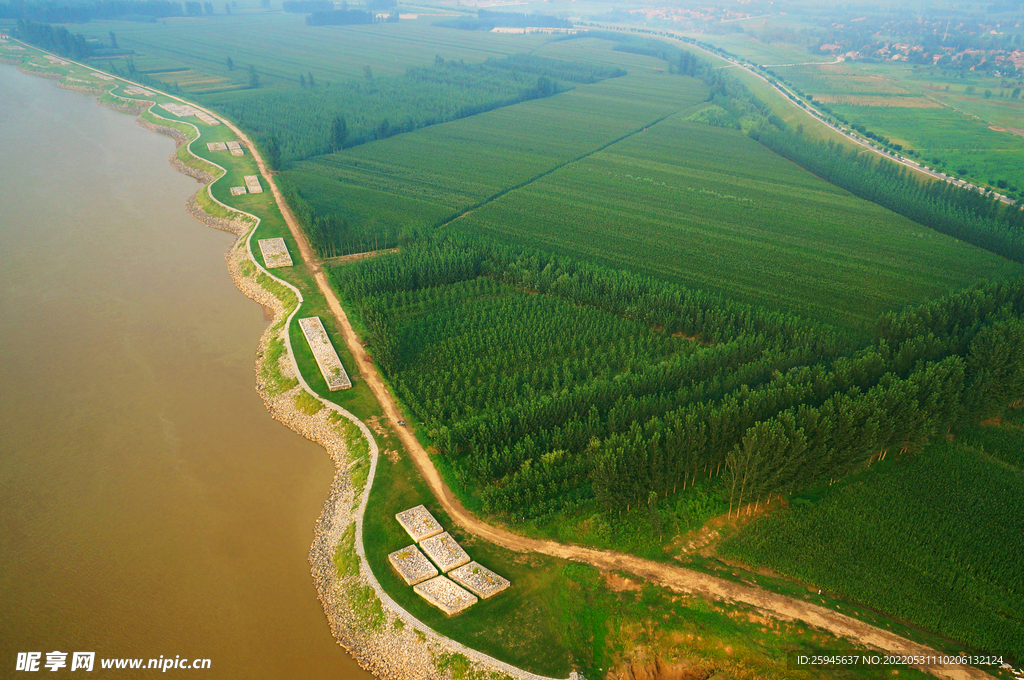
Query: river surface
{"points": [[149, 505]]}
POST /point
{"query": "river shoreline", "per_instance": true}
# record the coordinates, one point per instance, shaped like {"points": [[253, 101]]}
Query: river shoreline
{"points": [[381, 637], [390, 653]]}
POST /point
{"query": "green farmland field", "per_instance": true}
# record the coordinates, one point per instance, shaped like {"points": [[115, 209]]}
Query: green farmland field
{"points": [[281, 46], [740, 221], [959, 141], [933, 539], [947, 120], [420, 179], [600, 312]]}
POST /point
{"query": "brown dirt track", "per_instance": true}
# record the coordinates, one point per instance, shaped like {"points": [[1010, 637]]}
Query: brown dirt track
{"points": [[676, 578]]}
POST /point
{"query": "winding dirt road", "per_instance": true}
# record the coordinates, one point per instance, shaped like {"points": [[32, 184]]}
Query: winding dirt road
{"points": [[676, 578]]}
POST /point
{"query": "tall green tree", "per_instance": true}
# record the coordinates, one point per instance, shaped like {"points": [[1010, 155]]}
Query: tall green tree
{"points": [[274, 153], [339, 131]]}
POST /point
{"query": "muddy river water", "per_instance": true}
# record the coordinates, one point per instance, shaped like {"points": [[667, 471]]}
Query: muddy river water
{"points": [[149, 505]]}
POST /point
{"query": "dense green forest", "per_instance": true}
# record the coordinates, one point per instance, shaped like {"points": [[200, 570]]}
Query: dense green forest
{"points": [[761, 402], [376, 108], [767, 403], [57, 12]]}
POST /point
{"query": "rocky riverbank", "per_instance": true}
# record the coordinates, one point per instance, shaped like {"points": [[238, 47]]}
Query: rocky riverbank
{"points": [[80, 88], [389, 651], [382, 638], [236, 227], [128, 105], [200, 176], [42, 74], [179, 136]]}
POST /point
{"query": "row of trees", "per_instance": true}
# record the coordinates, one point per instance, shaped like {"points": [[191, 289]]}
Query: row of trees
{"points": [[977, 373], [81, 12], [376, 108], [964, 214], [741, 108], [486, 20], [56, 39], [771, 404], [340, 17]]}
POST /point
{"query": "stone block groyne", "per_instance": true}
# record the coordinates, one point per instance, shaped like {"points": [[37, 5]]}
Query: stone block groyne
{"points": [[326, 356]]}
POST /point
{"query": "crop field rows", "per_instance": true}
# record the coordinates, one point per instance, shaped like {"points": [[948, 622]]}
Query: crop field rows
{"points": [[654, 202], [934, 540], [742, 222], [419, 179], [193, 51], [839, 79], [902, 102]]}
